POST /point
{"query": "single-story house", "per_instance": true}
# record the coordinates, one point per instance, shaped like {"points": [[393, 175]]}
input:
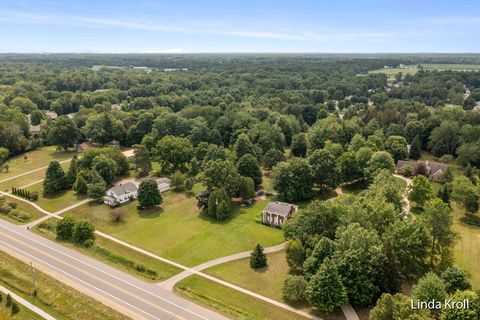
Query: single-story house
{"points": [[163, 184], [121, 193], [52, 115], [435, 170], [276, 213]]}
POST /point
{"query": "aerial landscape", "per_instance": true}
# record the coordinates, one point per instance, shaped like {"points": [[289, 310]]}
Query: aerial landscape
{"points": [[240, 160]]}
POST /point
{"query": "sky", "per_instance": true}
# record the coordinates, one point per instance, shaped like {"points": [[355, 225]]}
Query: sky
{"points": [[178, 26]]}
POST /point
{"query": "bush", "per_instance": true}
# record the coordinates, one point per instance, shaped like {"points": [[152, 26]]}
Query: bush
{"points": [[34, 196], [471, 220], [88, 243], [13, 205], [294, 288], [9, 300], [64, 229], [446, 158], [15, 308], [83, 231], [406, 171], [117, 215]]}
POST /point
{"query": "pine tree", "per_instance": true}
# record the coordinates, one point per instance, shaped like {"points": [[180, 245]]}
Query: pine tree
{"points": [[415, 148], [71, 174], [9, 300], [258, 259], [471, 174], [80, 185], [444, 194], [54, 179]]}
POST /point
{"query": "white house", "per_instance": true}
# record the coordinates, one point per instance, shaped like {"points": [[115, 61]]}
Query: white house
{"points": [[121, 193], [163, 184], [276, 213]]}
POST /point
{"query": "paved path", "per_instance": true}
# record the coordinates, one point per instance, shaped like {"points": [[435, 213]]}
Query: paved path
{"points": [[27, 304], [349, 312], [28, 172], [405, 200], [123, 292]]}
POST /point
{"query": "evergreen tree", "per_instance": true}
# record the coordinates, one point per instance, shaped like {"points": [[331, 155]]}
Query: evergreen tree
{"points": [[325, 289], [416, 148], [444, 193], [71, 174], [81, 184], [54, 179], [471, 173], [142, 160], [258, 259], [148, 194]]}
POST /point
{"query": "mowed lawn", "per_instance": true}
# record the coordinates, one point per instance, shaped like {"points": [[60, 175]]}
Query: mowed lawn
{"points": [[467, 247], [178, 231], [58, 201], [32, 177], [34, 159], [233, 303], [116, 255], [22, 207], [56, 298], [267, 281]]}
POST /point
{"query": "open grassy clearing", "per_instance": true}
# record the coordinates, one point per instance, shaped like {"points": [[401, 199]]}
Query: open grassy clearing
{"points": [[22, 207], [451, 66], [179, 231], [267, 281], [116, 255], [28, 178], [391, 72], [230, 302], [467, 247], [57, 299], [24, 314], [58, 201], [34, 159], [359, 186]]}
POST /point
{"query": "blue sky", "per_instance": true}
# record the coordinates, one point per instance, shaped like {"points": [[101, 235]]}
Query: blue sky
{"points": [[239, 26]]}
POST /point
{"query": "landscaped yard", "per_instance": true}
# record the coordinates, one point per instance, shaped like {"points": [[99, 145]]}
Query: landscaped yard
{"points": [[58, 201], [177, 230], [230, 302], [266, 281], [22, 207], [116, 255], [57, 299]]}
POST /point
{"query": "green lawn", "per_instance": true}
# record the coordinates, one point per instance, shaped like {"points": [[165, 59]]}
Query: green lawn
{"points": [[177, 230], [451, 66], [467, 247], [58, 201], [234, 304], [57, 299], [35, 159], [266, 281], [391, 72], [116, 255], [28, 178], [22, 207], [24, 314]]}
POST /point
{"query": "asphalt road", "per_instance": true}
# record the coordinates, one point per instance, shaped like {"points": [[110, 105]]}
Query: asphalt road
{"points": [[141, 300]]}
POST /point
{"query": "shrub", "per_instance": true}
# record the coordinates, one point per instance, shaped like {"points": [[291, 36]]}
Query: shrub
{"points": [[9, 300], [294, 288], [117, 215], [446, 158], [65, 228], [13, 205], [34, 196], [15, 308], [83, 231]]}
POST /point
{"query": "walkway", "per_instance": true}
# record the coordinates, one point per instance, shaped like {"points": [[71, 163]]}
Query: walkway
{"points": [[405, 200], [27, 304]]}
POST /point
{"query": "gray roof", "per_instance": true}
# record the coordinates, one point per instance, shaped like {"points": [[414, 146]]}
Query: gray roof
{"points": [[280, 208], [163, 180], [123, 188]]}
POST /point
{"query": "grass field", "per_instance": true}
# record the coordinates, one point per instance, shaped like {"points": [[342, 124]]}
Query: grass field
{"points": [[357, 187], [28, 179], [24, 314], [266, 281], [34, 159], [467, 247], [118, 256], [451, 66], [22, 207], [57, 299], [391, 72], [178, 231], [230, 302], [58, 201]]}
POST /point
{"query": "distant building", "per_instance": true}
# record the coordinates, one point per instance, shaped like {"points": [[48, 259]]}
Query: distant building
{"points": [[116, 106], [435, 170], [276, 213], [121, 193], [84, 146], [163, 184], [35, 129], [52, 115]]}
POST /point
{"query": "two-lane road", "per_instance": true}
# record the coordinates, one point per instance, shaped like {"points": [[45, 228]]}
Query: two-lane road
{"points": [[136, 298]]}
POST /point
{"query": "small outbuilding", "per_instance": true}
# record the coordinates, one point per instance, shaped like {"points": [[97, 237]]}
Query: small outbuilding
{"points": [[276, 213]]}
